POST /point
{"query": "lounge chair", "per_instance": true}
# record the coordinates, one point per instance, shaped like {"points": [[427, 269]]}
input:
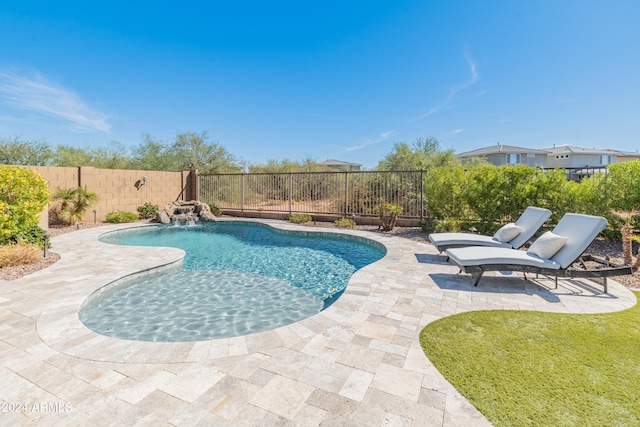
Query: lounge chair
{"points": [[553, 254], [512, 235]]}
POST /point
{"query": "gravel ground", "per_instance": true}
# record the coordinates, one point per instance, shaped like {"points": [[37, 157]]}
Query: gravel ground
{"points": [[601, 248]]}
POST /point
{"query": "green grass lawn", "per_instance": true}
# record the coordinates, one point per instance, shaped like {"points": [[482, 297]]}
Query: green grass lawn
{"points": [[542, 369]]}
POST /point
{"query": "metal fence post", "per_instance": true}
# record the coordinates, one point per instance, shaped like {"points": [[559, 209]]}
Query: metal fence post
{"points": [[290, 192], [346, 193], [422, 195], [242, 183]]}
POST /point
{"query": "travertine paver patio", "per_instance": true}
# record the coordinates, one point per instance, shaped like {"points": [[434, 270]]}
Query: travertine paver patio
{"points": [[357, 363]]}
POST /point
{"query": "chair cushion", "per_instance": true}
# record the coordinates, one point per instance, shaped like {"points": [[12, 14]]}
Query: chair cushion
{"points": [[488, 257], [507, 232], [547, 245], [464, 239]]}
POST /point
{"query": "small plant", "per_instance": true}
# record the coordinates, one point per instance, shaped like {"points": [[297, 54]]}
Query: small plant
{"points": [[121, 216], [74, 202], [627, 232], [146, 211], [19, 254], [345, 223], [300, 218], [388, 215], [215, 210], [428, 225]]}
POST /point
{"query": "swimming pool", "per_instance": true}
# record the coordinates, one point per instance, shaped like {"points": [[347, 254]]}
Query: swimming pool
{"points": [[237, 278]]}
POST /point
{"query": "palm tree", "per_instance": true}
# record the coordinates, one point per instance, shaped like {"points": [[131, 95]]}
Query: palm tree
{"points": [[627, 233], [65, 195], [74, 203]]}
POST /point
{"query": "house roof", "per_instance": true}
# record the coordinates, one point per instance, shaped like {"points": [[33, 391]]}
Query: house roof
{"points": [[498, 149], [333, 162], [626, 153], [569, 149]]}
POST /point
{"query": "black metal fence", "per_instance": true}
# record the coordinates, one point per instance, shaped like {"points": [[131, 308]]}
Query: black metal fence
{"points": [[336, 193], [578, 174]]}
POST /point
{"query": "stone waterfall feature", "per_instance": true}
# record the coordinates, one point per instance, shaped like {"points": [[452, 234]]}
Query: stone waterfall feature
{"points": [[180, 212]]}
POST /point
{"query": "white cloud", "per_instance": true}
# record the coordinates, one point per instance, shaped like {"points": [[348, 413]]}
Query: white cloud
{"points": [[36, 94], [473, 79], [456, 131], [431, 112], [383, 136]]}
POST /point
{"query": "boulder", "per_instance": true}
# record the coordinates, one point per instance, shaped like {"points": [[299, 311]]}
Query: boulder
{"points": [[207, 217], [163, 217], [184, 212]]}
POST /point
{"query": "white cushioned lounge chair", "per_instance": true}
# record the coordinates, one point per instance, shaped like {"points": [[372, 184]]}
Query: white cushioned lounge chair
{"points": [[553, 254], [524, 228]]}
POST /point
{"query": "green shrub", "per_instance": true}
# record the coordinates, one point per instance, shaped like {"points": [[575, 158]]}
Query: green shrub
{"points": [[428, 225], [300, 218], [215, 210], [121, 216], [444, 192], [621, 192], [148, 210], [486, 196], [23, 196], [345, 223]]}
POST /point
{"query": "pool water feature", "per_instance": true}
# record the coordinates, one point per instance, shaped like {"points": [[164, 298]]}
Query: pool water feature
{"points": [[237, 278]]}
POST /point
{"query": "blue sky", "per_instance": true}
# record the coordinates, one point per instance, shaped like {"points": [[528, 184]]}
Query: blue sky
{"points": [[322, 79]]}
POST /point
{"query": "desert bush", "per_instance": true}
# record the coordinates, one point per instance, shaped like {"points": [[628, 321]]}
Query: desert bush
{"points": [[146, 211], [23, 196], [300, 218], [19, 254], [345, 223], [118, 217], [215, 210]]}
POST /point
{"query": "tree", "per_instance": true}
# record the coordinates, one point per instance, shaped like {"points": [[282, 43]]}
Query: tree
{"points": [[194, 152], [423, 154], [113, 156], [154, 155], [66, 156], [31, 153], [287, 165]]}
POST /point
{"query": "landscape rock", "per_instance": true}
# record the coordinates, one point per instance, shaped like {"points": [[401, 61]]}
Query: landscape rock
{"points": [[207, 217], [185, 212], [163, 217]]}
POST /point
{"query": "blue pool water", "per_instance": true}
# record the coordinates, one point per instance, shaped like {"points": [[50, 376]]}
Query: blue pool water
{"points": [[237, 278]]}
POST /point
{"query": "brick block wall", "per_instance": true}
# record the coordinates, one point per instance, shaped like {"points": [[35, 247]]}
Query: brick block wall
{"points": [[121, 190]]}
